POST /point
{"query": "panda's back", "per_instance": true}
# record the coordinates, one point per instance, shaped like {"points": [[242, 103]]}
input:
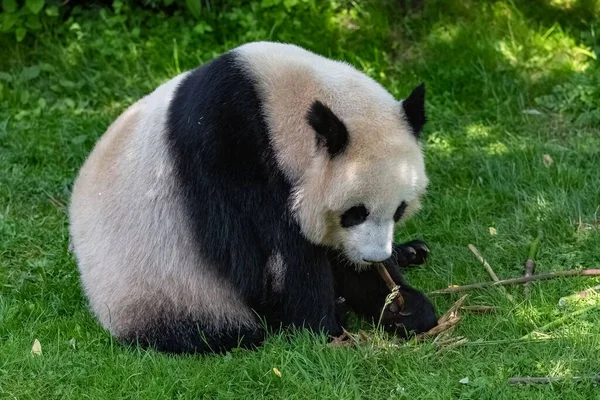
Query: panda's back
{"points": [[129, 231]]}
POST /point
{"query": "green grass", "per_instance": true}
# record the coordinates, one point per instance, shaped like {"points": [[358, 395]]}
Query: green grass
{"points": [[485, 64]]}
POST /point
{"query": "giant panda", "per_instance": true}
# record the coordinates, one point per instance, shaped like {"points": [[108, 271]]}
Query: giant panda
{"points": [[252, 194]]}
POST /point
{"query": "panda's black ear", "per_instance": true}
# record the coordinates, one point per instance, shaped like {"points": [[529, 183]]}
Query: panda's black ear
{"points": [[331, 131], [414, 109]]}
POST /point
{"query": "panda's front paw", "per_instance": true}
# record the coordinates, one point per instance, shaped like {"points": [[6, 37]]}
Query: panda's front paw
{"points": [[410, 253], [415, 315]]}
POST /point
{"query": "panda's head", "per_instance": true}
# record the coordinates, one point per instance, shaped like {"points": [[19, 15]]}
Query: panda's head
{"points": [[349, 148], [368, 174]]}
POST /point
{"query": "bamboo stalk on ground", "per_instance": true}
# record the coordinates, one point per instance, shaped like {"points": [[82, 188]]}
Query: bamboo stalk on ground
{"points": [[560, 321], [515, 281], [550, 379], [593, 291], [489, 269], [530, 263]]}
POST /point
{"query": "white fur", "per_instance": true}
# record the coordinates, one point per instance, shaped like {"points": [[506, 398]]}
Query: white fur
{"points": [[135, 252]]}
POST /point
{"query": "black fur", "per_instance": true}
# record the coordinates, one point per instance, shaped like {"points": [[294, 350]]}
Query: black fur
{"points": [[331, 131], [237, 197], [400, 211], [354, 216], [409, 254], [188, 336], [414, 109]]}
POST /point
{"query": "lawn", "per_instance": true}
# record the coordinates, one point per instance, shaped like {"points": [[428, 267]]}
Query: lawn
{"points": [[512, 143]]}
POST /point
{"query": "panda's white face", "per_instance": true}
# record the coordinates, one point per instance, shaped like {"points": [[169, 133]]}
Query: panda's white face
{"points": [[352, 201], [378, 195]]}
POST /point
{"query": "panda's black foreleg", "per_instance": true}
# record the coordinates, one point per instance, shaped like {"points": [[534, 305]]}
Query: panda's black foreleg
{"points": [[405, 255], [307, 297], [365, 293]]}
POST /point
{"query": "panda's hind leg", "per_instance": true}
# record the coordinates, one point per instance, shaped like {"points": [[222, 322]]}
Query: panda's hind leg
{"points": [[189, 336]]}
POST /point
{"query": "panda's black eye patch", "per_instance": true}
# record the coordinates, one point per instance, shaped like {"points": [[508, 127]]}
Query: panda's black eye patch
{"points": [[354, 216], [400, 211]]}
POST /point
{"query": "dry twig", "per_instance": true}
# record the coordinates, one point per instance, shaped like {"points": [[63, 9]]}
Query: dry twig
{"points": [[447, 321], [453, 311]]}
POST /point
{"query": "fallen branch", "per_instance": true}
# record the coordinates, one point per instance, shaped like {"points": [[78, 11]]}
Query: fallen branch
{"points": [[560, 321], [489, 269], [515, 281], [550, 379], [530, 263]]}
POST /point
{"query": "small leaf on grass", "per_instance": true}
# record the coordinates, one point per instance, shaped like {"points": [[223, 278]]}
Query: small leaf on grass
{"points": [[277, 372], [194, 7], [52, 11], [79, 139], [20, 34], [548, 160], [532, 111], [36, 349], [69, 103], [493, 231], [35, 6], [24, 97], [67, 84], [6, 77], [33, 22], [9, 6], [29, 73]]}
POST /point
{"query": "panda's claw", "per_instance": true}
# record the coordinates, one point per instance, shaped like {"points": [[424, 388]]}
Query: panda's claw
{"points": [[411, 253]]}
